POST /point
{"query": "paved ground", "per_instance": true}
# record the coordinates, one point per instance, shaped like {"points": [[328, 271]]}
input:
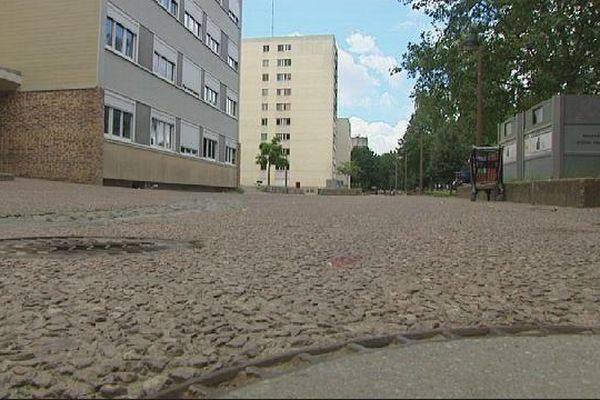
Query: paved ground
{"points": [[266, 273], [512, 367]]}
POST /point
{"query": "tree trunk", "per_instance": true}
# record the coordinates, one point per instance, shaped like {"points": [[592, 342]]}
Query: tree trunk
{"points": [[269, 175]]}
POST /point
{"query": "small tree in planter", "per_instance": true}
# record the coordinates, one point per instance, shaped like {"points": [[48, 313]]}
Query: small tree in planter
{"points": [[271, 154]]}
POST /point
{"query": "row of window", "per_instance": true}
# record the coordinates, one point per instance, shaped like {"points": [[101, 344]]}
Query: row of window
{"points": [[280, 92], [121, 37], [172, 6], [279, 106], [537, 116], [119, 123], [282, 62], [280, 77], [193, 17], [279, 122], [280, 48], [284, 137]]}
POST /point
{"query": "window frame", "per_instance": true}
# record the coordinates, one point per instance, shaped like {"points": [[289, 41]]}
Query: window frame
{"points": [[166, 120], [128, 25], [115, 102], [207, 139]]}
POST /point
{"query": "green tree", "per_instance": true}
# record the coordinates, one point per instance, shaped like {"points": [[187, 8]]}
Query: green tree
{"points": [[271, 154], [349, 168], [532, 49], [365, 160]]}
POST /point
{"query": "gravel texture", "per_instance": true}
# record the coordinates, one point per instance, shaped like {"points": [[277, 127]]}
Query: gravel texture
{"points": [[267, 273]]}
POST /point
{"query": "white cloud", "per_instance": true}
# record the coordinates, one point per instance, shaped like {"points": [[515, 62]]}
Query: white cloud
{"points": [[383, 137], [362, 44], [356, 84]]}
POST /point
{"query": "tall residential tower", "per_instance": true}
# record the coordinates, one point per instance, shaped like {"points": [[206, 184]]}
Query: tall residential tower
{"points": [[289, 90]]}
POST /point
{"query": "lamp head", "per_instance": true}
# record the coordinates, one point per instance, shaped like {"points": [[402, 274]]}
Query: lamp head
{"points": [[472, 41]]}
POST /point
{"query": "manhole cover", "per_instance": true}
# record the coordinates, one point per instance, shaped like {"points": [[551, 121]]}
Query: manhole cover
{"points": [[60, 246]]}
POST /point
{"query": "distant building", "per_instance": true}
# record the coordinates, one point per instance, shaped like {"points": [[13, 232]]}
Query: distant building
{"points": [[127, 92], [359, 141], [289, 90], [343, 146]]}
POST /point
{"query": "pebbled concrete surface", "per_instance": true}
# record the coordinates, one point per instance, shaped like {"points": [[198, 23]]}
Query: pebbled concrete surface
{"points": [[509, 367], [271, 273]]}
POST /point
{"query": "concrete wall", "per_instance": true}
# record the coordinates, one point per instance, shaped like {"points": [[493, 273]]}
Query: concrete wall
{"points": [[343, 146], [565, 192], [55, 44], [313, 113], [53, 135], [129, 162]]}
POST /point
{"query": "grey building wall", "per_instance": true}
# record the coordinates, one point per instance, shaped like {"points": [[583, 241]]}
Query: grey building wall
{"points": [[130, 80], [142, 123]]}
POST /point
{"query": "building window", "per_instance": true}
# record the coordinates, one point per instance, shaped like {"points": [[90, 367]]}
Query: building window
{"points": [[264, 137], [190, 139], [171, 6], [120, 39], [192, 77], [118, 123], [285, 62], [265, 92], [118, 116], [265, 63], [211, 96], [213, 43], [284, 77], [265, 106], [286, 152], [538, 115], [233, 52], [284, 137], [164, 67], [231, 107], [265, 77], [266, 48], [283, 168], [284, 106], [235, 11], [233, 63], [209, 147], [284, 92], [264, 122], [194, 26], [162, 133], [284, 47], [284, 121], [230, 153]]}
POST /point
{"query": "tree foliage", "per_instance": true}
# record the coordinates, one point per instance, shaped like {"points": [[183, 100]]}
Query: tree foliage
{"points": [[271, 154], [532, 50]]}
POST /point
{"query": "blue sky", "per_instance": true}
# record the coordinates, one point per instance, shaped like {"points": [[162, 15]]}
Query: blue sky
{"points": [[372, 35]]}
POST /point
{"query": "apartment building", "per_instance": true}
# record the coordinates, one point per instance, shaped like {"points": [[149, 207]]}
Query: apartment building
{"points": [[126, 92], [343, 146], [359, 141], [289, 90]]}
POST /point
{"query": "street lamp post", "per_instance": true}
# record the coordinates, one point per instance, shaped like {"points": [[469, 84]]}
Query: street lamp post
{"points": [[473, 43]]}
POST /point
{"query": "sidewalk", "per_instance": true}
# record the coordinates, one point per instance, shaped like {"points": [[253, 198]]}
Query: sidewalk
{"points": [[509, 367]]}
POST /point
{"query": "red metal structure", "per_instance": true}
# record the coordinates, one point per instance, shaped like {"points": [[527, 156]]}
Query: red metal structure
{"points": [[486, 172]]}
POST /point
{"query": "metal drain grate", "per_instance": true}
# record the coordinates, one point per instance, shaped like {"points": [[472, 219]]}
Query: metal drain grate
{"points": [[68, 246]]}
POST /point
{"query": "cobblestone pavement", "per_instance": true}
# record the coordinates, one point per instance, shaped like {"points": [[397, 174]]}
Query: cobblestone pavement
{"points": [[266, 273]]}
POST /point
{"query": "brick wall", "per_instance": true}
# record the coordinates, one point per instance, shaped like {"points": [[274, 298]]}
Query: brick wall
{"points": [[53, 135]]}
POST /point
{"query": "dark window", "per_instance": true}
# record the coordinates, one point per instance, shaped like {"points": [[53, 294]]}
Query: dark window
{"points": [[127, 122], [119, 37], [109, 31], [116, 123], [129, 43]]}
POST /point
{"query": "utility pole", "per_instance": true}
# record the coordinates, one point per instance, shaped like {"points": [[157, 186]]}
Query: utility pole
{"points": [[421, 163], [479, 135], [397, 162], [272, 18], [405, 171]]}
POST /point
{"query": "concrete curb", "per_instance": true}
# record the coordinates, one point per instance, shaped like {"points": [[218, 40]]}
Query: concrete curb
{"points": [[375, 342]]}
